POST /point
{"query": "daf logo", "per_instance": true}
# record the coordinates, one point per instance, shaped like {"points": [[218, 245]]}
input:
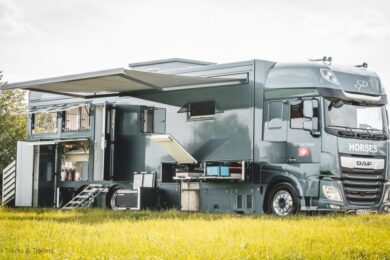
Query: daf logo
{"points": [[361, 84], [363, 163]]}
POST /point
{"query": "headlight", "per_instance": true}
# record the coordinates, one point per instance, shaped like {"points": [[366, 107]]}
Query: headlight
{"points": [[332, 193], [329, 76]]}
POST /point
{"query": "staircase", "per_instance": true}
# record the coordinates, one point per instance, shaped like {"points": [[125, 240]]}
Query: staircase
{"points": [[9, 181], [86, 197]]}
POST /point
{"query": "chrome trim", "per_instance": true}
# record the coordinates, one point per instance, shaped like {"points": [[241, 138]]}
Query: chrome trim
{"points": [[361, 97], [369, 163]]}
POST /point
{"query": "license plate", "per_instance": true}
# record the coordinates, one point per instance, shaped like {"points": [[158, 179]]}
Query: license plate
{"points": [[365, 211]]}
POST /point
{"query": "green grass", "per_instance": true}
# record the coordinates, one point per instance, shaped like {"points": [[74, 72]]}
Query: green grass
{"points": [[100, 234]]}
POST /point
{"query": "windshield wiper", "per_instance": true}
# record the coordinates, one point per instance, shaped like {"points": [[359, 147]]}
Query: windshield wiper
{"points": [[377, 133], [347, 132], [364, 133]]}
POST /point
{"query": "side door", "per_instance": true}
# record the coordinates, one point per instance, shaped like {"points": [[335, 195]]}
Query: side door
{"points": [[303, 142], [46, 180], [275, 131], [127, 145]]}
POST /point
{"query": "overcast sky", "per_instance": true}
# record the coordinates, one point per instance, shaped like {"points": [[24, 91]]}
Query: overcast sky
{"points": [[51, 38]]}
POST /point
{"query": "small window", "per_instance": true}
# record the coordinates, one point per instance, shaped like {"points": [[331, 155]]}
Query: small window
{"points": [[77, 119], [275, 110], [296, 114], [152, 120], [202, 109], [275, 124], [44, 123]]}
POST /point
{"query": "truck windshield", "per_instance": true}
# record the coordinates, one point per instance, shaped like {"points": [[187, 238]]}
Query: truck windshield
{"points": [[353, 120]]}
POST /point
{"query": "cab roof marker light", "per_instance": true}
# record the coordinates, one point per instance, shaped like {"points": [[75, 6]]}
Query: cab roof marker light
{"points": [[328, 75]]}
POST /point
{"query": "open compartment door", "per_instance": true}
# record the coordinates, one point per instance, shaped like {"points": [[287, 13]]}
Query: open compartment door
{"points": [[176, 150], [24, 174], [99, 143]]}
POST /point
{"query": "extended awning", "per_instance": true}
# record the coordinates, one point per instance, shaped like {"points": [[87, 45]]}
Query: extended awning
{"points": [[51, 108], [121, 81]]}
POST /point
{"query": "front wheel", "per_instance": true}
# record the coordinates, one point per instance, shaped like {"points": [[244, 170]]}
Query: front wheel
{"points": [[283, 200]]}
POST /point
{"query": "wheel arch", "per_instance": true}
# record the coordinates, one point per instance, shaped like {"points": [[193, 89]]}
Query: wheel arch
{"points": [[280, 177]]}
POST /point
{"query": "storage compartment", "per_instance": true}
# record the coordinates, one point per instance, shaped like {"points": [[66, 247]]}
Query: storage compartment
{"points": [[136, 199], [225, 170], [190, 196], [74, 161]]}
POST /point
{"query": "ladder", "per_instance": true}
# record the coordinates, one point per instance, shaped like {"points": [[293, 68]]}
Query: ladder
{"points": [[86, 197], [8, 181]]}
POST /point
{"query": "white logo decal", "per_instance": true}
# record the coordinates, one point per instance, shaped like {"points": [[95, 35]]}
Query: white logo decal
{"points": [[361, 84], [372, 148]]}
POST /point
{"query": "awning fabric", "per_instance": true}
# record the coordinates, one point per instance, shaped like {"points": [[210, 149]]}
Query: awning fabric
{"points": [[119, 81], [51, 108]]}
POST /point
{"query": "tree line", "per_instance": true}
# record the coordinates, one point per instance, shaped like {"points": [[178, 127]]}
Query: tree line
{"points": [[13, 127]]}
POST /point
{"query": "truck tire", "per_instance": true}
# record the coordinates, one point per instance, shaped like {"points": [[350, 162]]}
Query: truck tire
{"points": [[283, 200], [110, 197]]}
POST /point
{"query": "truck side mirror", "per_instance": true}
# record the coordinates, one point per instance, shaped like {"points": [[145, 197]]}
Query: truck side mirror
{"points": [[308, 125], [308, 108]]}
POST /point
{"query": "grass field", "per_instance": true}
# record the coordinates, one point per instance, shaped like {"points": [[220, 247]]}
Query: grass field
{"points": [[99, 234]]}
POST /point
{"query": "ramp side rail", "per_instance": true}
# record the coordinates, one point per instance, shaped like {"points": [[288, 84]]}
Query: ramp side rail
{"points": [[8, 184]]}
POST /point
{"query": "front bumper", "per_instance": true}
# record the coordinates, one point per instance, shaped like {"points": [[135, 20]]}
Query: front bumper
{"points": [[327, 205]]}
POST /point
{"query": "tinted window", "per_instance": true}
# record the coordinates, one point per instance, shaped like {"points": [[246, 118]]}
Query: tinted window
{"points": [[201, 109], [275, 110]]}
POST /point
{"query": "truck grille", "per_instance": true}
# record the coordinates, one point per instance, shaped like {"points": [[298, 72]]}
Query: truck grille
{"points": [[362, 187]]}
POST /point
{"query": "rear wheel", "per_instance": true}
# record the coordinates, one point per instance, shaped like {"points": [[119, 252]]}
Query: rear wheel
{"points": [[283, 200], [111, 196]]}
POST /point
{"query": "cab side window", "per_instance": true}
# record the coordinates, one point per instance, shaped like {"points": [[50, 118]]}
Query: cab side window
{"points": [[275, 121], [296, 115]]}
